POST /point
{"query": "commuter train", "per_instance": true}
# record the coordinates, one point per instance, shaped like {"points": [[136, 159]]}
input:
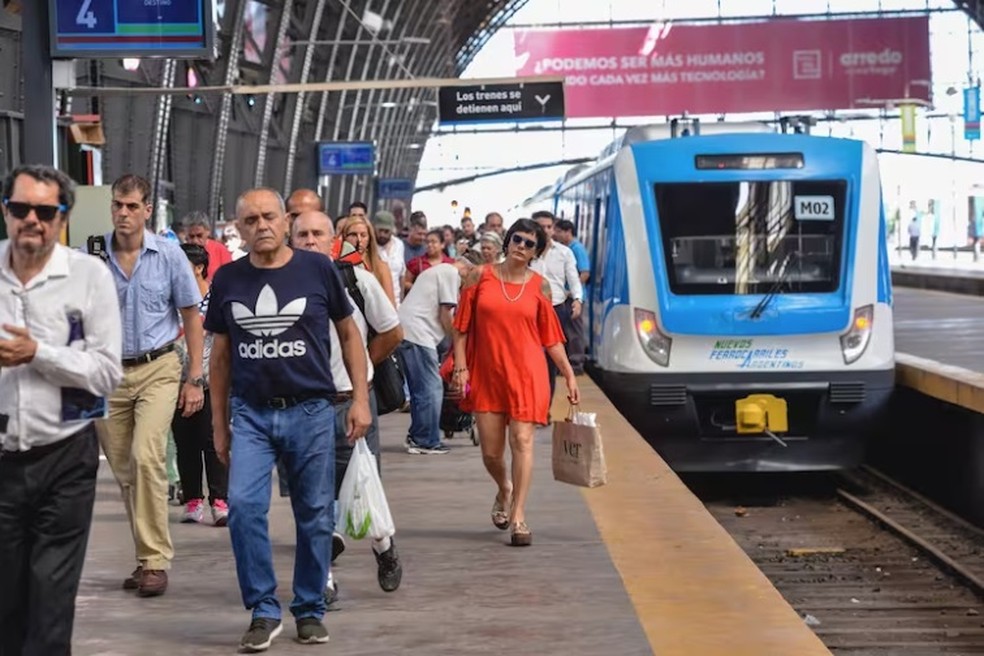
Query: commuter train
{"points": [[739, 312]]}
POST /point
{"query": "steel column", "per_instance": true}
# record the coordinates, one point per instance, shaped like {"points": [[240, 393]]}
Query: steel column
{"points": [[38, 144], [357, 109], [162, 127], [225, 109], [295, 124], [278, 46]]}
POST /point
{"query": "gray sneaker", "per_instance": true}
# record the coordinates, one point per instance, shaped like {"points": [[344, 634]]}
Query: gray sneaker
{"points": [[261, 632], [311, 631], [415, 449]]}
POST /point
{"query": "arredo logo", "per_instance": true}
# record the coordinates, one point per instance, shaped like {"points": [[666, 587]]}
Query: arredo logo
{"points": [[886, 57], [268, 319]]}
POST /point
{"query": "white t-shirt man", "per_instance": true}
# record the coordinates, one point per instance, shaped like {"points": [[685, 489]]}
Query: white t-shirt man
{"points": [[392, 255], [420, 312], [381, 315]]}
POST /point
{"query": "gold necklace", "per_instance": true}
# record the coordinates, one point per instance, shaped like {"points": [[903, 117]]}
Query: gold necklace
{"points": [[502, 284]]}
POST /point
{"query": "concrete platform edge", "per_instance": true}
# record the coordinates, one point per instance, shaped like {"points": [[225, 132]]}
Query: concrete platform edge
{"points": [[697, 593], [945, 382]]}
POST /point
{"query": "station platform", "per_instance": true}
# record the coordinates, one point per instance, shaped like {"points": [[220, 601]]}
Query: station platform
{"points": [[947, 271], [939, 345], [634, 567]]}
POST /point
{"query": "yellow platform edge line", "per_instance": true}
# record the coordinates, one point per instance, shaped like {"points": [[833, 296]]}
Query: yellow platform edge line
{"points": [[695, 592], [945, 382]]}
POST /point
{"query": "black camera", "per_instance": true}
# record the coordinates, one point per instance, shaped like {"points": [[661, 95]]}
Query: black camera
{"points": [[96, 245]]}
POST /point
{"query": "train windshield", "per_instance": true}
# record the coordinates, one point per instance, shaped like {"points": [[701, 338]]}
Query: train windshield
{"points": [[752, 237]]}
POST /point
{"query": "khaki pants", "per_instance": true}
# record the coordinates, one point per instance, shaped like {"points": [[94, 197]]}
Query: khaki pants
{"points": [[134, 439]]}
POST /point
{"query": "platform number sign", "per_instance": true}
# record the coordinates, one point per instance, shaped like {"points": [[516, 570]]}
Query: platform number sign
{"points": [[114, 29], [813, 208], [82, 17], [86, 16]]}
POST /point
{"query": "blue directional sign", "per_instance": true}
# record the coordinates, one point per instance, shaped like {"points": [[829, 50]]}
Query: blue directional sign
{"points": [[113, 29], [346, 157], [401, 188], [972, 113]]}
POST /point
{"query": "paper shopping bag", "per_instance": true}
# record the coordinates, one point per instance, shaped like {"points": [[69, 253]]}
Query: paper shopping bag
{"points": [[578, 456]]}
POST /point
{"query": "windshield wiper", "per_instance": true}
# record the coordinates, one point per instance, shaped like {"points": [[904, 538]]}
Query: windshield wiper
{"points": [[776, 286]]}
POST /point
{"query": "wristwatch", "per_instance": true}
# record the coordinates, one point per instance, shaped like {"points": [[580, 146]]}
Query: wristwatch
{"points": [[197, 382]]}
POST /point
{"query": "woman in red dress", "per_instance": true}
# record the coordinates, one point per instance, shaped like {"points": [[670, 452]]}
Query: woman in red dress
{"points": [[504, 322]]}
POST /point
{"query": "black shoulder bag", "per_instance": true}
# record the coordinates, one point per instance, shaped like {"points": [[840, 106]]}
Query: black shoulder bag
{"points": [[387, 380]]}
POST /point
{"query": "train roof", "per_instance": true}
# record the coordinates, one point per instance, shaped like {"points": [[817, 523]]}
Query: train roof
{"points": [[654, 132]]}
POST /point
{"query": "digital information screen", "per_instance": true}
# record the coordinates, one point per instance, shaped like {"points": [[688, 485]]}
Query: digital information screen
{"points": [[756, 161], [346, 157], [401, 188], [114, 29]]}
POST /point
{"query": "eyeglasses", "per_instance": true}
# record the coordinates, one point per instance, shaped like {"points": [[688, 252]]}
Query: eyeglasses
{"points": [[523, 241], [44, 212]]}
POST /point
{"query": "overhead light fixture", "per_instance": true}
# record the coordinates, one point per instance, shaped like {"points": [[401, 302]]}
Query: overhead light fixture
{"points": [[389, 104], [131, 64], [417, 40], [374, 22]]}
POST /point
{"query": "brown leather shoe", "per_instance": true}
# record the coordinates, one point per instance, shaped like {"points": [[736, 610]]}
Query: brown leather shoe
{"points": [[133, 581], [153, 583]]}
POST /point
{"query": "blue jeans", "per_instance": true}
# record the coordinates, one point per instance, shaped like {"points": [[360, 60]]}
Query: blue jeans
{"points": [[421, 368], [303, 437]]}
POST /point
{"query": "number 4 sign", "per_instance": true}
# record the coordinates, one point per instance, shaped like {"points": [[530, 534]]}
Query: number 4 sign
{"points": [[86, 17]]}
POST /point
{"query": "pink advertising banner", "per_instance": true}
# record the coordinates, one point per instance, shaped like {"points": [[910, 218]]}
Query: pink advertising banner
{"points": [[775, 65]]}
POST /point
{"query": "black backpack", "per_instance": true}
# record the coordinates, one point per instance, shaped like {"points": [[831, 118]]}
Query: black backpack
{"points": [[387, 381]]}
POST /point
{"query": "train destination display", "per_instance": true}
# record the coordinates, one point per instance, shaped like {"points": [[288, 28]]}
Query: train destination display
{"points": [[109, 29]]}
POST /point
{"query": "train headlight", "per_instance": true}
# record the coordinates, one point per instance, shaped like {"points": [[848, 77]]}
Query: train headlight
{"points": [[654, 343], [855, 340]]}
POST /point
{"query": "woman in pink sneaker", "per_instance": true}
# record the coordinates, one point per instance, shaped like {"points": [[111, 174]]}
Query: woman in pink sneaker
{"points": [[193, 433]]}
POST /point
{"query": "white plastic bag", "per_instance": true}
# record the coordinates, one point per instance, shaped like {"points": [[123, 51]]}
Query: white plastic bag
{"points": [[362, 507]]}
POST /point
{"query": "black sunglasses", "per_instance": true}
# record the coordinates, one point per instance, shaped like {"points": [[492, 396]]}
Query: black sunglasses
{"points": [[43, 212], [528, 243]]}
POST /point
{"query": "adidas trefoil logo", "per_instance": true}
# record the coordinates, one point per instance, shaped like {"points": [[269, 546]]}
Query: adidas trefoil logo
{"points": [[269, 320]]}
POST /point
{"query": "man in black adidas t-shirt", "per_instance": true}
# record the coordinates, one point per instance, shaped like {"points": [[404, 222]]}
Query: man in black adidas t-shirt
{"points": [[269, 314]]}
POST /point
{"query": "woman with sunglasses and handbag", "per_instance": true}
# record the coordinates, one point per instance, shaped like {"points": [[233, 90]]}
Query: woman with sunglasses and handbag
{"points": [[505, 320]]}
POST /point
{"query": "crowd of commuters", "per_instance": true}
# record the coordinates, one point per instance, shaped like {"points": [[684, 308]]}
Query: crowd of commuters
{"points": [[258, 352]]}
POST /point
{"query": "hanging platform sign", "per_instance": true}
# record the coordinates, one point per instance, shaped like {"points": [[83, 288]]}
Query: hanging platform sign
{"points": [[399, 188], [346, 158], [497, 103], [908, 116], [972, 113], [114, 29]]}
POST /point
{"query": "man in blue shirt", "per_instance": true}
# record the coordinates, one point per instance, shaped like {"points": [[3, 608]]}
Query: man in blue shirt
{"points": [[269, 315], [155, 286]]}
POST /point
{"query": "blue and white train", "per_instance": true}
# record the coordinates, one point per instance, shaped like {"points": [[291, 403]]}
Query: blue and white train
{"points": [[740, 307]]}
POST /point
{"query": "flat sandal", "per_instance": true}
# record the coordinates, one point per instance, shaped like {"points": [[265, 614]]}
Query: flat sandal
{"points": [[521, 536], [500, 518]]}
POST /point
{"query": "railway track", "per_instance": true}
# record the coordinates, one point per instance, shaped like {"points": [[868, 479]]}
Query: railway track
{"points": [[871, 566]]}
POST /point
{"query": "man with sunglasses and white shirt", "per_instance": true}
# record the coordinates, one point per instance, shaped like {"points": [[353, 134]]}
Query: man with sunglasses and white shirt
{"points": [[155, 286], [559, 266], [59, 358]]}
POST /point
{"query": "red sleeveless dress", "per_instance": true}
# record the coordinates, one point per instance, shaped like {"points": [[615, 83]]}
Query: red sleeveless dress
{"points": [[507, 366]]}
